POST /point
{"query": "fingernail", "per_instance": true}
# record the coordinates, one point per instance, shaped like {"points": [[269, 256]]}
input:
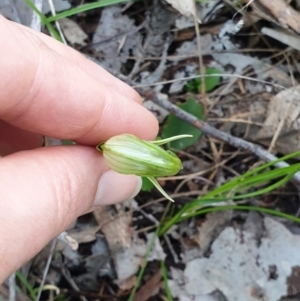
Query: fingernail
{"points": [[114, 188]]}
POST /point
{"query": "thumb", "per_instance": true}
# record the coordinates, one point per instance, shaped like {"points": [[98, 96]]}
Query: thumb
{"points": [[42, 191]]}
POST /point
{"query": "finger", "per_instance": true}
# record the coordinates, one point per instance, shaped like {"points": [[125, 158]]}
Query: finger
{"points": [[44, 190], [50, 95], [13, 139]]}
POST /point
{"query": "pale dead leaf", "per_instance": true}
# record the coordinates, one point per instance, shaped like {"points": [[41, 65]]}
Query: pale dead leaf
{"points": [[284, 13], [283, 36], [84, 235], [157, 251], [185, 7], [211, 228], [289, 139], [127, 253], [241, 266], [117, 229], [73, 33], [128, 260], [113, 23]]}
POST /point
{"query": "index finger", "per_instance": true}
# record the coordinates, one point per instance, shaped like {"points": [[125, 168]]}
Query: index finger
{"points": [[46, 93]]}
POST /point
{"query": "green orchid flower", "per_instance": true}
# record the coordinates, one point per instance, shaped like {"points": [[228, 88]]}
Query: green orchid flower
{"points": [[127, 154]]}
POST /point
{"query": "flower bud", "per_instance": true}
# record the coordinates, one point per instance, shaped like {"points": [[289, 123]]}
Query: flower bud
{"points": [[128, 154]]}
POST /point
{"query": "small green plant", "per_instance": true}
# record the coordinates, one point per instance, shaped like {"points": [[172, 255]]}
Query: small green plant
{"points": [[211, 80], [146, 185], [165, 279], [176, 126], [30, 290], [258, 178], [259, 181]]}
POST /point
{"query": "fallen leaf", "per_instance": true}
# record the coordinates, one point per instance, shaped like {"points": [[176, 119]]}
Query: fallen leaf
{"points": [[185, 7], [150, 288], [72, 31]]}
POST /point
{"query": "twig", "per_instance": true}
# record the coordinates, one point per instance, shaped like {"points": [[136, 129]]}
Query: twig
{"points": [[200, 58], [175, 256], [211, 131], [53, 12], [72, 283], [52, 248], [12, 287], [137, 86]]}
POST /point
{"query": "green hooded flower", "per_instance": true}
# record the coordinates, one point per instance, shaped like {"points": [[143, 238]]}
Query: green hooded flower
{"points": [[127, 154]]}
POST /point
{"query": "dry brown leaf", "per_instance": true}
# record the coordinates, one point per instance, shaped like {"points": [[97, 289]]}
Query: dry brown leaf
{"points": [[280, 10], [289, 138], [84, 235], [211, 228], [284, 36], [150, 288], [126, 284], [117, 229], [127, 253], [74, 34]]}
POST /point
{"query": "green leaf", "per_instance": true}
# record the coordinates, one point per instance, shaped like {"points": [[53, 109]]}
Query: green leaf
{"points": [[146, 185], [159, 188], [193, 86], [43, 18], [166, 283], [83, 8], [176, 126], [211, 80]]}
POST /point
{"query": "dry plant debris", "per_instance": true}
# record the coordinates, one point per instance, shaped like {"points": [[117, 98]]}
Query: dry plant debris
{"points": [[154, 46], [279, 10], [259, 262], [73, 33]]}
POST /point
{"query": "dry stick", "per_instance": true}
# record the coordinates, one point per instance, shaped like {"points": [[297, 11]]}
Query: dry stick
{"points": [[45, 273], [12, 287], [53, 12], [211, 131]]}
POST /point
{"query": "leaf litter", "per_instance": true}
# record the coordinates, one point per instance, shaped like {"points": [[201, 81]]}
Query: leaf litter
{"points": [[221, 256]]}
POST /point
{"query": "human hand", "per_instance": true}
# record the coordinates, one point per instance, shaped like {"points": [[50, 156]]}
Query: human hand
{"points": [[47, 88]]}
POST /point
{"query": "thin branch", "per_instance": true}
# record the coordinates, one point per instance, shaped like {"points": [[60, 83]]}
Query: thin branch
{"points": [[211, 131], [72, 283], [200, 58], [53, 12], [51, 251], [137, 86], [12, 287]]}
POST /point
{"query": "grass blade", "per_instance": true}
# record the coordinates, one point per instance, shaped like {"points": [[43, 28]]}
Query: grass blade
{"points": [[85, 7]]}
